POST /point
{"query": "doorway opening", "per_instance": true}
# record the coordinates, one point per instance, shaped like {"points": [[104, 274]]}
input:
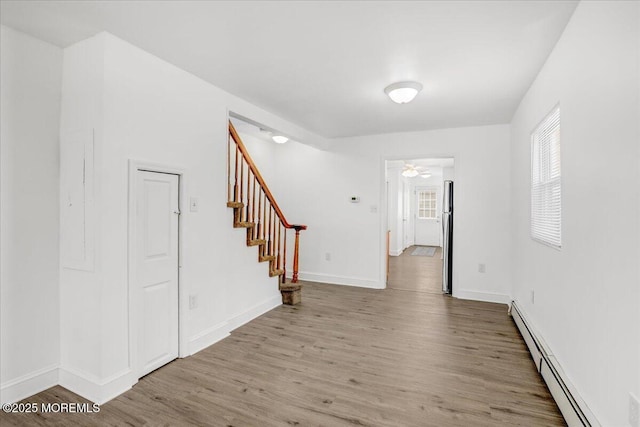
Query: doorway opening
{"points": [[420, 224]]}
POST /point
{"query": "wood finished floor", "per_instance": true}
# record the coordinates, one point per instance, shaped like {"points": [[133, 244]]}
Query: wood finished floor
{"points": [[346, 356], [416, 273]]}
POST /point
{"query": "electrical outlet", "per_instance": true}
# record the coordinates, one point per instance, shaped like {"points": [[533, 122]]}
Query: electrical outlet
{"points": [[533, 297], [327, 256], [634, 411], [482, 268], [193, 302]]}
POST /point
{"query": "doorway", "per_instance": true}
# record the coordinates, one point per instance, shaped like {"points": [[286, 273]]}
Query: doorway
{"points": [[428, 230], [415, 191], [155, 279]]}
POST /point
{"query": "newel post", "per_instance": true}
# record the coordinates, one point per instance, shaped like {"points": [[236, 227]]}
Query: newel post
{"points": [[294, 278]]}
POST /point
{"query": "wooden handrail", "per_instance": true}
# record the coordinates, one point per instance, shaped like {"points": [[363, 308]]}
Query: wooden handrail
{"points": [[263, 185], [264, 226]]}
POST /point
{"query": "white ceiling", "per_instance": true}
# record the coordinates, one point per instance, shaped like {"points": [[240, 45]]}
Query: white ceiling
{"points": [[324, 64], [444, 162]]}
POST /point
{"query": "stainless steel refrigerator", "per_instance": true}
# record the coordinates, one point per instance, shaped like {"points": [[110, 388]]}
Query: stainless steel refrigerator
{"points": [[447, 237]]}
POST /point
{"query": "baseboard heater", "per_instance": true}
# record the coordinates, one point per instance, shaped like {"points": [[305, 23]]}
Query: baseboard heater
{"points": [[573, 408]]}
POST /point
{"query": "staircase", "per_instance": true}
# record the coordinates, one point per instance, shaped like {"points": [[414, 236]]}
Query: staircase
{"points": [[255, 209]]}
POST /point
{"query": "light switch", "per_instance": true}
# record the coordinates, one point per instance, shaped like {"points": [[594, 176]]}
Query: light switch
{"points": [[193, 204]]}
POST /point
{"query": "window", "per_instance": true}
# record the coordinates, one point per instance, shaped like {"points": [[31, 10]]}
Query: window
{"points": [[427, 204], [546, 212]]}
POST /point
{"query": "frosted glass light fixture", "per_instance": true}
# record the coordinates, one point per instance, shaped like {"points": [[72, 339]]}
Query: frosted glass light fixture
{"points": [[403, 92], [279, 139]]}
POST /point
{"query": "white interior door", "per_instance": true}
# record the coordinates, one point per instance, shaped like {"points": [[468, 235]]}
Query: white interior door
{"points": [[406, 215], [157, 213], [427, 222]]}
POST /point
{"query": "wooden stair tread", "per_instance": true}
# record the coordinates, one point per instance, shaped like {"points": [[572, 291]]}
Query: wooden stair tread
{"points": [[256, 242], [263, 258], [243, 224], [277, 272], [235, 205]]}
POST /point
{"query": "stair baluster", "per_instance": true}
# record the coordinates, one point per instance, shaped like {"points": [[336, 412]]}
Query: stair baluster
{"points": [[260, 216], [284, 257], [253, 208], [235, 171], [265, 224]]}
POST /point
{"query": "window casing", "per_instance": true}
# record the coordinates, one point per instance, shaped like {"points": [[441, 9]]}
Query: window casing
{"points": [[546, 185], [426, 204]]}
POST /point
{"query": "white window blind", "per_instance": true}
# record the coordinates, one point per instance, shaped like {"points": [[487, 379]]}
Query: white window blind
{"points": [[427, 204], [546, 201]]}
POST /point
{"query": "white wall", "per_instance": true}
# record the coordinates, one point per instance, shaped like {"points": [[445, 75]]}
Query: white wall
{"points": [[264, 153], [448, 174], [320, 183], [586, 294], [80, 200], [29, 124], [139, 107]]}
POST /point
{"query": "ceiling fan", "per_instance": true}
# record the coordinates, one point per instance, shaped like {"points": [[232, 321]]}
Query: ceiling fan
{"points": [[411, 171]]}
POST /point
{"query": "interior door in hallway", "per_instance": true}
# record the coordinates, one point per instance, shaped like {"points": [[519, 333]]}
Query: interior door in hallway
{"points": [[157, 213], [427, 216], [406, 216]]}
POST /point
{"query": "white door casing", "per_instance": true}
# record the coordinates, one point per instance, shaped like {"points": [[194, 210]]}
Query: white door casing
{"points": [[428, 230], [156, 269]]}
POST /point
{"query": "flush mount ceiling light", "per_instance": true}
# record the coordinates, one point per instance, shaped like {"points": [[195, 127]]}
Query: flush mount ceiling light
{"points": [[279, 139], [403, 92], [425, 175]]}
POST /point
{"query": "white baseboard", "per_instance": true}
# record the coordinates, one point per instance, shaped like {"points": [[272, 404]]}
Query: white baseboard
{"points": [[102, 390], [255, 311], [481, 296], [341, 280], [574, 409], [94, 389], [208, 337], [29, 384], [395, 253]]}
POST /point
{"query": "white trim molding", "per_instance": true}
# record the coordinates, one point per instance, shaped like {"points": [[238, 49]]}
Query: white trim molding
{"points": [[95, 389], [255, 311], [341, 280], [208, 337], [481, 296], [29, 384]]}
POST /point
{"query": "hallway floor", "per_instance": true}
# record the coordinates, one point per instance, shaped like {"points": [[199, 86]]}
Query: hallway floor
{"points": [[416, 273], [345, 356]]}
